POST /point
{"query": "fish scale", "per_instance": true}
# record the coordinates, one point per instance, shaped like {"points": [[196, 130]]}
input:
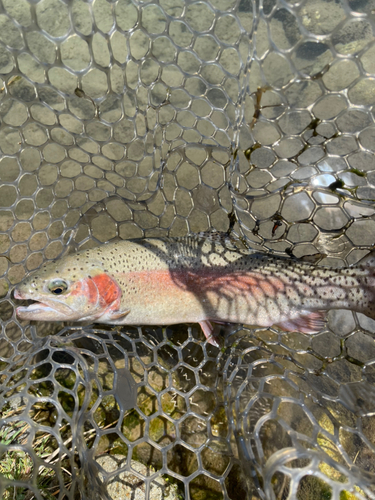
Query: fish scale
{"points": [[193, 280]]}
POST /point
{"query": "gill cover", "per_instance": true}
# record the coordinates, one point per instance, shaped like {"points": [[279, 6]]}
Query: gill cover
{"points": [[100, 295]]}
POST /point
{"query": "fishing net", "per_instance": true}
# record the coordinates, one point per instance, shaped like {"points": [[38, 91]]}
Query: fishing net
{"points": [[126, 119]]}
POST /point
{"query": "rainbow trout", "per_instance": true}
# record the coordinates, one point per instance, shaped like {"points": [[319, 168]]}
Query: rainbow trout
{"points": [[193, 280]]}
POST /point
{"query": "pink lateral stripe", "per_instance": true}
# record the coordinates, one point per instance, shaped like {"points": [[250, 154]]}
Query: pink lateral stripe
{"points": [[206, 280]]}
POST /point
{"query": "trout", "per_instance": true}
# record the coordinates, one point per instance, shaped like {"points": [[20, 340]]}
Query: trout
{"points": [[193, 280]]}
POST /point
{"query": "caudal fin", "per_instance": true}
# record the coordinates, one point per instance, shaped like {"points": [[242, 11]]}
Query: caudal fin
{"points": [[368, 260]]}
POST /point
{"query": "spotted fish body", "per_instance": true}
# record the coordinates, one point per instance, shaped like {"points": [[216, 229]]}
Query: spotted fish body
{"points": [[187, 280]]}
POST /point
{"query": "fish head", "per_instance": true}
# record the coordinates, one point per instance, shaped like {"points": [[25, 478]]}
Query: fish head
{"points": [[72, 289]]}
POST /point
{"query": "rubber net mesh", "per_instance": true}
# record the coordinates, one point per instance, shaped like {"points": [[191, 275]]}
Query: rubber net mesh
{"points": [[171, 117]]}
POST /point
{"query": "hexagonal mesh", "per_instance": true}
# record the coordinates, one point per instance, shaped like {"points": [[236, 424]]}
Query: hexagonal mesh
{"points": [[161, 118]]}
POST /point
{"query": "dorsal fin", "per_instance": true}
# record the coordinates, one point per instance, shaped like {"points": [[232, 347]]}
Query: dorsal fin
{"points": [[229, 241], [313, 259]]}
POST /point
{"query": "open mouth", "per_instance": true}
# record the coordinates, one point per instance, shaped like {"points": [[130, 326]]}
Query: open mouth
{"points": [[37, 309], [30, 306], [33, 307]]}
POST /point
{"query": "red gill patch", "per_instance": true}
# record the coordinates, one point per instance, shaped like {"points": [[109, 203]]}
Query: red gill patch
{"points": [[101, 287], [109, 291]]}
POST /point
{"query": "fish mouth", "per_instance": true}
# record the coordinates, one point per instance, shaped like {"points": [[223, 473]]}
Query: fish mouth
{"points": [[41, 309], [35, 308]]}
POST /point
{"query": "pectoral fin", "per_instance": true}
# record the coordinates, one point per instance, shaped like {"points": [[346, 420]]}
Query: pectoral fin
{"points": [[307, 322], [119, 314], [115, 317]]}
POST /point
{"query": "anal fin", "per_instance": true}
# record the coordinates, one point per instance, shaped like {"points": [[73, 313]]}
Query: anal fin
{"points": [[307, 322], [208, 331]]}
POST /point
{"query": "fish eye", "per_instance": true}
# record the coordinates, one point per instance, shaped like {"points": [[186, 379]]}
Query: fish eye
{"points": [[57, 287]]}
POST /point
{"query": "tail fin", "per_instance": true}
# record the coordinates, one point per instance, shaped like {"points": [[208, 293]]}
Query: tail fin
{"points": [[368, 260]]}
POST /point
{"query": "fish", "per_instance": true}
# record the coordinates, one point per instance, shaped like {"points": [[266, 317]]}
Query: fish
{"points": [[168, 281]]}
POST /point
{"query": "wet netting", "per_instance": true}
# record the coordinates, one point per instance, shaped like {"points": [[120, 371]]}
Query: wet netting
{"points": [[131, 119]]}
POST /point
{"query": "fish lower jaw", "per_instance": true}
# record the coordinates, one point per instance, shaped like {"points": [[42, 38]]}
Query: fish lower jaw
{"points": [[39, 311]]}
